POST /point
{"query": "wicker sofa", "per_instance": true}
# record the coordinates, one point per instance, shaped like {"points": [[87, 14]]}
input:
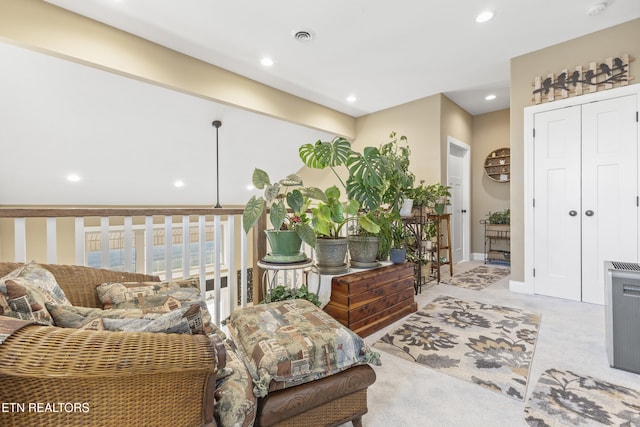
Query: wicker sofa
{"points": [[125, 378], [146, 379]]}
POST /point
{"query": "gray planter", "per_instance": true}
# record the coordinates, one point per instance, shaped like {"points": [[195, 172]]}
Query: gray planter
{"points": [[331, 254], [363, 250]]}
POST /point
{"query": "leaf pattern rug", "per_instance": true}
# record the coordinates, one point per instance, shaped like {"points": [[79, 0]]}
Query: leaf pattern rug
{"points": [[478, 278], [486, 344], [563, 398]]}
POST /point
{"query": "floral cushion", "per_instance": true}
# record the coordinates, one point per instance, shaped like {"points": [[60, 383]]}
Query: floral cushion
{"points": [[25, 301], [77, 317], [235, 401], [24, 292], [157, 297], [36, 275], [292, 342], [173, 322], [134, 294]]}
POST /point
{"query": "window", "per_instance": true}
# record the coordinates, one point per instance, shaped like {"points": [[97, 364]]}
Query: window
{"points": [[117, 253]]}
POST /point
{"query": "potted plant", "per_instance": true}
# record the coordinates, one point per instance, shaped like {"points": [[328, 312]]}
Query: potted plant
{"points": [[329, 216], [332, 214], [501, 217], [440, 197], [398, 252], [290, 228]]}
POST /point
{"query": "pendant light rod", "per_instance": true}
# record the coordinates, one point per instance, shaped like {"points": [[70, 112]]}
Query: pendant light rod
{"points": [[216, 124]]}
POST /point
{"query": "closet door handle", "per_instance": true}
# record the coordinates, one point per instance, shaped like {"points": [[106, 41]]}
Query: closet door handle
{"points": [[589, 213], [573, 213]]}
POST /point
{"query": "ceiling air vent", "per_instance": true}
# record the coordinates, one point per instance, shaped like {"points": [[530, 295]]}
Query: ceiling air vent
{"points": [[303, 35]]}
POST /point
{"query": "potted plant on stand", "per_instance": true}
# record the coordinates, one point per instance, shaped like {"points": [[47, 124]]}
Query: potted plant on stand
{"points": [[398, 251], [290, 229]]}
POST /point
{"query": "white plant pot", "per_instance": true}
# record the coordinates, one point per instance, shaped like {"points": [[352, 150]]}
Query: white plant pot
{"points": [[405, 209]]}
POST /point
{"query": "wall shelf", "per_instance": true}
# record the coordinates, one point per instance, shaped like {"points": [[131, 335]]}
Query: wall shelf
{"points": [[497, 165]]}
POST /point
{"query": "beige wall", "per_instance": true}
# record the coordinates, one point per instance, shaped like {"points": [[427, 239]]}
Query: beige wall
{"points": [[596, 46], [36, 25], [490, 131]]}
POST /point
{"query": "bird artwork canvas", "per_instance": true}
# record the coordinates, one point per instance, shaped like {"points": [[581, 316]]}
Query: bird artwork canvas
{"points": [[610, 73]]}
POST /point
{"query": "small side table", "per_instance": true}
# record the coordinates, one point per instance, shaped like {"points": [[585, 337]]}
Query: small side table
{"points": [[271, 270]]}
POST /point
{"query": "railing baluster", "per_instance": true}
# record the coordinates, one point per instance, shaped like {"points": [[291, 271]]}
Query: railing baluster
{"points": [[80, 241], [148, 237], [168, 242], [217, 231], [20, 239], [231, 263], [52, 249], [104, 242], [243, 267], [128, 243], [186, 248], [202, 273]]}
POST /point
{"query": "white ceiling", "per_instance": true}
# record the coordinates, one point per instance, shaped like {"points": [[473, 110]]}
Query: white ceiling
{"points": [[60, 117], [385, 53]]}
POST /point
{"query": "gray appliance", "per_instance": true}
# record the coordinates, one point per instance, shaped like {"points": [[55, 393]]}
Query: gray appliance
{"points": [[622, 314]]}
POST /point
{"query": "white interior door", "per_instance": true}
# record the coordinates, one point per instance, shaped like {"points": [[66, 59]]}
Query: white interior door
{"points": [[609, 190], [586, 196], [557, 212], [458, 165]]}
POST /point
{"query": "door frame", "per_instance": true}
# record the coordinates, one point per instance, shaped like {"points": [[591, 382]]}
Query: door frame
{"points": [[466, 192], [528, 171]]}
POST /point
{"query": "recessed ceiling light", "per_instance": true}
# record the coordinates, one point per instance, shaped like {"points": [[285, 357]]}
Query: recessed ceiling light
{"points": [[351, 98], [490, 97], [267, 62], [178, 184], [598, 8], [73, 177], [250, 187], [485, 16]]}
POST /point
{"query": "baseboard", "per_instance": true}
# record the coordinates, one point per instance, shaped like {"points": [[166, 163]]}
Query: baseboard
{"points": [[476, 256], [520, 287]]}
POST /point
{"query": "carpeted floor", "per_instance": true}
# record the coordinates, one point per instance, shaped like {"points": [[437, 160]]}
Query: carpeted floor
{"points": [[479, 277], [486, 344], [571, 337]]}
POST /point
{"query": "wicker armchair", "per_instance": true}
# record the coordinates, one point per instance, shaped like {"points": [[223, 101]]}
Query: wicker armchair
{"points": [[112, 378]]}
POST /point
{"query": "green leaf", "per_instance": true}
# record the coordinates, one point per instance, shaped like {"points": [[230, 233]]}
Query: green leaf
{"points": [[277, 214], [315, 193], [295, 200], [260, 179], [306, 234], [252, 211], [325, 154], [271, 192], [291, 180], [333, 193], [367, 224]]}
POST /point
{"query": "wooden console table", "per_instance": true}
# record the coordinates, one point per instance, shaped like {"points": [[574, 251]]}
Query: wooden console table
{"points": [[369, 300]]}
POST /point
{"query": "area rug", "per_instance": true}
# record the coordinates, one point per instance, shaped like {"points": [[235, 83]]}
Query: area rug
{"points": [[478, 278], [489, 345], [563, 398]]}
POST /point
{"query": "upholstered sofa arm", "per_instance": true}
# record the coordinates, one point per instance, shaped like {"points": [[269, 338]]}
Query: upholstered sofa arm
{"points": [[70, 377]]}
